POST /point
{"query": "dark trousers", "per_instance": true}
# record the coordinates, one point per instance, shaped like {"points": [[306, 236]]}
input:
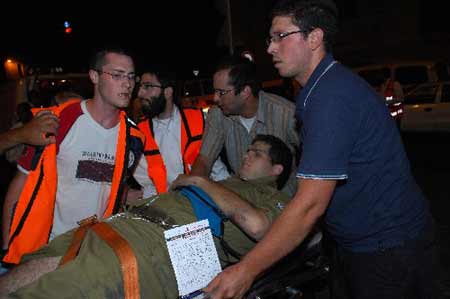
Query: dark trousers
{"points": [[408, 271]]}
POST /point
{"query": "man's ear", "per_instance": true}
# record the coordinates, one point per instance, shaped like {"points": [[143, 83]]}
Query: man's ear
{"points": [[246, 92], [315, 38], [168, 92], [277, 169], [93, 75]]}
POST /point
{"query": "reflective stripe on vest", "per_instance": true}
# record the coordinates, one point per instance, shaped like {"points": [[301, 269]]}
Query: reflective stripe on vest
{"points": [[192, 126], [191, 139], [33, 216]]}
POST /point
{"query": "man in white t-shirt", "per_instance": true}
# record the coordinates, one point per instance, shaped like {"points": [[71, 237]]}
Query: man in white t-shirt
{"points": [[173, 135], [82, 174]]}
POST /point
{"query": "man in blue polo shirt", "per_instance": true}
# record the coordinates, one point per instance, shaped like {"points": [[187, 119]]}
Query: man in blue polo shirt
{"points": [[353, 171]]}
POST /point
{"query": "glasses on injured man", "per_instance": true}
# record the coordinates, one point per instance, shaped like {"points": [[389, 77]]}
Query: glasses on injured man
{"points": [[258, 152]]}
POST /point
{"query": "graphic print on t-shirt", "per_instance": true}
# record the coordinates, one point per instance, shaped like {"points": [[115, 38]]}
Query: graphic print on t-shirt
{"points": [[95, 167]]}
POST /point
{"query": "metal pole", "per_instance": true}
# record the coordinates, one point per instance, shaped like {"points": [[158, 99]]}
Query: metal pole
{"points": [[230, 30]]}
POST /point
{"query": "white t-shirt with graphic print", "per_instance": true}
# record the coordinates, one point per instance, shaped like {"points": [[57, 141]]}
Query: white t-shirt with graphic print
{"points": [[85, 164]]}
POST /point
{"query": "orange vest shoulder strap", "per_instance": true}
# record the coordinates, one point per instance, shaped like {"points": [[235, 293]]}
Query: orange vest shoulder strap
{"points": [[150, 148], [155, 164], [193, 125]]}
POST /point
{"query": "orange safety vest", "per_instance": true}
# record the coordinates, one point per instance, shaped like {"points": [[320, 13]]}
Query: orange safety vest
{"points": [[33, 215], [192, 127]]}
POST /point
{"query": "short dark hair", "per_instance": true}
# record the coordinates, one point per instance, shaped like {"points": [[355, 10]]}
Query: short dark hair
{"points": [[242, 72], [309, 15], [279, 153], [98, 60], [167, 78]]}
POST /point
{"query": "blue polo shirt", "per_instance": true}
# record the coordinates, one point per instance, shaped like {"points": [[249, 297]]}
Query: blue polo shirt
{"points": [[349, 136]]}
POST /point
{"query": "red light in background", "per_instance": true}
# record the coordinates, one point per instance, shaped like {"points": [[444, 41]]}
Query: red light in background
{"points": [[68, 30]]}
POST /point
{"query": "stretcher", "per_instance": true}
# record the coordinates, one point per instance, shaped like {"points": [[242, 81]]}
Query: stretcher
{"points": [[301, 274]]}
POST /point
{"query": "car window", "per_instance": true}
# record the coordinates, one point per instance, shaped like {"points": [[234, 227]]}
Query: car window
{"points": [[44, 90], [422, 95], [445, 98], [411, 74]]}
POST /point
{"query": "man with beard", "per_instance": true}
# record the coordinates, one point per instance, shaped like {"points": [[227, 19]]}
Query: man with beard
{"points": [[82, 174], [173, 135]]}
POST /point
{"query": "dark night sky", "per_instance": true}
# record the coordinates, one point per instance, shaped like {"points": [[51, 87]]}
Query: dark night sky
{"points": [[182, 34]]}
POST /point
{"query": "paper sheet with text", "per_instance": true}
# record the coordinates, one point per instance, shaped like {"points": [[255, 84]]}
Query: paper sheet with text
{"points": [[193, 255]]}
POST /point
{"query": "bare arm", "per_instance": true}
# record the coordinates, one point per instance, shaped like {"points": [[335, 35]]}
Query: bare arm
{"points": [[40, 130], [27, 273], [287, 231], [11, 198], [11, 138], [202, 166], [252, 220]]}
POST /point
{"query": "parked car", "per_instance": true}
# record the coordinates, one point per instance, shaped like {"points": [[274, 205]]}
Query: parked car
{"points": [[23, 84], [42, 88], [427, 108], [408, 73]]}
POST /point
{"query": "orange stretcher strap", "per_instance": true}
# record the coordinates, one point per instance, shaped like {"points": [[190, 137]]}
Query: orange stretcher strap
{"points": [[126, 257], [78, 239], [122, 249]]}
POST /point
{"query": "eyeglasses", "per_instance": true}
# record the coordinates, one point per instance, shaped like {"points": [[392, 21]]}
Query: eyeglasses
{"points": [[119, 77], [258, 152], [147, 86], [278, 37], [222, 92]]}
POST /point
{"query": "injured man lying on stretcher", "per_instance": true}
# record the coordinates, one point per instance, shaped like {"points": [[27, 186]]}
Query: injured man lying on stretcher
{"points": [[250, 201]]}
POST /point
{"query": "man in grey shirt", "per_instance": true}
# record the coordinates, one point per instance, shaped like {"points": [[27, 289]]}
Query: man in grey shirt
{"points": [[243, 112]]}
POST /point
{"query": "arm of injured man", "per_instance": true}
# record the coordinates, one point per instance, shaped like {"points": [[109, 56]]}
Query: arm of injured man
{"points": [[252, 220]]}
